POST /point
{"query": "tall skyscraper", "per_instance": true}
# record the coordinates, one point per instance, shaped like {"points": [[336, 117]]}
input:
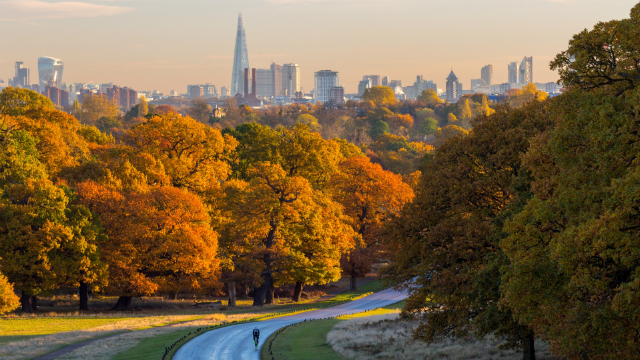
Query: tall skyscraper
{"points": [[513, 73], [21, 78], [324, 81], [385, 81], [452, 87], [276, 70], [290, 79], [264, 83], [486, 74], [376, 80], [364, 85], [526, 70], [240, 61], [50, 71]]}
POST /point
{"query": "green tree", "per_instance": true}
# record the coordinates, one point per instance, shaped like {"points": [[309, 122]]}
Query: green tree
{"points": [[446, 244], [429, 126], [308, 120], [606, 56], [378, 128]]}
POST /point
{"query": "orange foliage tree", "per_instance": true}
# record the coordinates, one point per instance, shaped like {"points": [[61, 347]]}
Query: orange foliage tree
{"points": [[370, 195], [158, 240]]}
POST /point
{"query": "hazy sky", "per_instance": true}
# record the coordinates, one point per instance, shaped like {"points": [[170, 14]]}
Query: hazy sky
{"points": [[167, 44]]}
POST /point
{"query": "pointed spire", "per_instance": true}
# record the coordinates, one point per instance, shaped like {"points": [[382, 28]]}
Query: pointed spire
{"points": [[240, 60], [452, 76]]}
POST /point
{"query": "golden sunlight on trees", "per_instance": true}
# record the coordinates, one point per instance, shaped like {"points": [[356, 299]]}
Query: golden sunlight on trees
{"points": [[158, 240], [370, 196], [430, 98], [94, 107], [381, 96], [8, 299], [517, 98]]}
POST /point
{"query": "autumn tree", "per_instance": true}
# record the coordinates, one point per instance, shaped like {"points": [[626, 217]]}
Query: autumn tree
{"points": [[379, 128], [381, 96], [370, 196], [281, 226], [94, 107], [465, 113], [142, 107], [446, 244], [429, 126], [200, 110], [606, 56], [18, 101], [447, 132], [160, 240], [8, 299], [430, 98], [529, 93]]}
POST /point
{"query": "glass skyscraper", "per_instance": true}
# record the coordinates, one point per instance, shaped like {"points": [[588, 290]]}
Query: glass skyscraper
{"points": [[50, 72], [240, 61]]}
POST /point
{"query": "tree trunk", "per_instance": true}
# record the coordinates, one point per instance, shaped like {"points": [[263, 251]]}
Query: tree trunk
{"points": [[34, 303], [173, 296], [123, 303], [269, 296], [298, 291], [232, 293], [354, 280], [83, 291], [529, 350], [25, 301]]}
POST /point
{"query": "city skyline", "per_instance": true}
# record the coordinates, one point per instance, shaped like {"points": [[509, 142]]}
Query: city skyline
{"points": [[199, 52]]}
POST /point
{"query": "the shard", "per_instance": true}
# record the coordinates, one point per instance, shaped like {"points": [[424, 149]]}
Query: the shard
{"points": [[240, 61]]}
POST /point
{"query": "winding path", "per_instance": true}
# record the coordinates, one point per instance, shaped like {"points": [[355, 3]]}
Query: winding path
{"points": [[236, 343]]}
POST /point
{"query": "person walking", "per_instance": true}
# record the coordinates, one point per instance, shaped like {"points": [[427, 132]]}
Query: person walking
{"points": [[256, 336]]}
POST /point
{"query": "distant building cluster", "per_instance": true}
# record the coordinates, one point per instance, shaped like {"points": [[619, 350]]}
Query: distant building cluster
{"points": [[275, 85]]}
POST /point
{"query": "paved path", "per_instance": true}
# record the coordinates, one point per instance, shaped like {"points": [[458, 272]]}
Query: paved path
{"points": [[236, 343]]}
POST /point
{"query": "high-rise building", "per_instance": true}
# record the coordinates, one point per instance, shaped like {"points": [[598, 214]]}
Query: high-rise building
{"points": [[385, 81], [290, 79], [504, 88], [210, 90], [421, 85], [21, 78], [50, 72], [376, 80], [3, 84], [224, 92], [264, 83], [324, 81], [513, 73], [486, 74], [240, 61], [276, 71], [476, 83], [452, 87], [336, 95], [395, 83], [195, 91], [364, 85], [526, 71]]}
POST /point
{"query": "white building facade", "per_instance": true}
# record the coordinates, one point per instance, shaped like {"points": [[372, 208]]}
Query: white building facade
{"points": [[324, 81]]}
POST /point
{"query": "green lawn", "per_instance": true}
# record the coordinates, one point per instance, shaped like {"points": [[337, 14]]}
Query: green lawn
{"points": [[307, 340], [151, 348], [16, 327], [304, 341]]}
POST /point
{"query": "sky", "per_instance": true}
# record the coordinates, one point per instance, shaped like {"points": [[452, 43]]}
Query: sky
{"points": [[165, 45]]}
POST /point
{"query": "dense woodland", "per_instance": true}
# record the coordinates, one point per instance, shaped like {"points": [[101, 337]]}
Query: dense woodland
{"points": [[519, 219]]}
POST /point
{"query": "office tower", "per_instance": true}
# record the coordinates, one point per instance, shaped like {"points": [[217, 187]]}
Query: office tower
{"points": [[504, 88], [50, 72], [3, 84], [21, 78], [324, 81], [452, 87], [264, 83], [395, 83], [210, 90], [376, 80], [290, 79], [526, 71], [240, 61], [421, 85], [105, 86], [363, 85], [476, 83], [173, 93], [486, 74], [276, 71], [224, 92], [336, 95], [385, 81], [195, 91], [513, 73]]}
